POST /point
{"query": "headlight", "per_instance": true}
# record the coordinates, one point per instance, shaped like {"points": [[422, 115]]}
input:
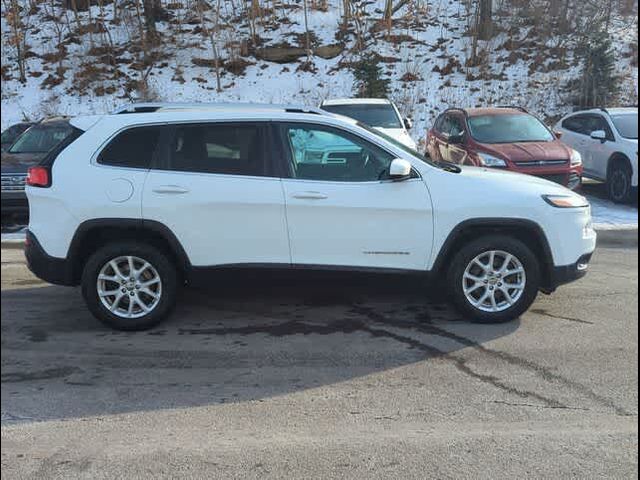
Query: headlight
{"points": [[576, 158], [566, 201], [491, 161]]}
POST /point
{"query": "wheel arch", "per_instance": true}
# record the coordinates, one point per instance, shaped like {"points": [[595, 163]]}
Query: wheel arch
{"points": [[527, 231], [92, 234]]}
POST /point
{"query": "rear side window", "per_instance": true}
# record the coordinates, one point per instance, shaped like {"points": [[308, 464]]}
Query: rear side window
{"points": [[577, 124], [133, 148], [229, 149]]}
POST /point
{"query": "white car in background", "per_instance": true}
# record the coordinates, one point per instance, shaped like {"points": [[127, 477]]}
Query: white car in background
{"points": [[608, 142], [381, 114]]}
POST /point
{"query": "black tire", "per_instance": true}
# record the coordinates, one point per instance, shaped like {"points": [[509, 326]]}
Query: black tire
{"points": [[162, 264], [469, 252], [619, 186]]}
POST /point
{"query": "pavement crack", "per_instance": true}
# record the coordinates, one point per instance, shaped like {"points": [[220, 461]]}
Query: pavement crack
{"points": [[544, 313], [530, 405], [462, 366], [544, 372]]}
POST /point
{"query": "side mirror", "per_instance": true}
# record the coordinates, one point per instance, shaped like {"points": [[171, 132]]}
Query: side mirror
{"points": [[599, 135], [400, 169], [408, 123], [558, 134]]}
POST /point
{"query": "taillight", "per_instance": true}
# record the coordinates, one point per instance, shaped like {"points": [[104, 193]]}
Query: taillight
{"points": [[38, 177]]}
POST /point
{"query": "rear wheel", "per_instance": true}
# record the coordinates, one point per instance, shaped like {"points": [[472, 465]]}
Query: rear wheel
{"points": [[129, 286], [619, 184], [494, 279]]}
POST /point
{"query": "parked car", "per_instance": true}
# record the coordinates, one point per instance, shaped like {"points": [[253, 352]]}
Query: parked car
{"points": [[381, 114], [143, 203], [10, 134], [608, 142], [28, 150], [504, 138]]}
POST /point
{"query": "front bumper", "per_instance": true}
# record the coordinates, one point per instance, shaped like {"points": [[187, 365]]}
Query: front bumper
{"points": [[570, 178], [54, 270], [567, 274]]}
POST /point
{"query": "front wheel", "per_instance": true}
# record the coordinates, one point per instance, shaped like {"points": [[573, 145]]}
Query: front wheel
{"points": [[129, 286], [494, 279]]}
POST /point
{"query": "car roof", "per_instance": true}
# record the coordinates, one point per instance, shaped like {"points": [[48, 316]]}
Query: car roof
{"points": [[355, 101], [609, 111], [203, 113], [54, 121], [478, 112], [622, 111]]}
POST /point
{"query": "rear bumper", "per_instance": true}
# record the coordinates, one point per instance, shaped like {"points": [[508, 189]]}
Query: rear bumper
{"points": [[54, 270]]}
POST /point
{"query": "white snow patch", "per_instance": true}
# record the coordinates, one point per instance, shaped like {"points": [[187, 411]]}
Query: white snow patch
{"points": [[609, 216]]}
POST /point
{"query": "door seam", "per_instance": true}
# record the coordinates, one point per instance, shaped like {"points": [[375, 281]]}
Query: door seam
{"points": [[286, 220]]}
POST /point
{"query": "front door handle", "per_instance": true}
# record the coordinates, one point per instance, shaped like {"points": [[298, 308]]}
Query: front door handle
{"points": [[310, 196], [170, 190]]}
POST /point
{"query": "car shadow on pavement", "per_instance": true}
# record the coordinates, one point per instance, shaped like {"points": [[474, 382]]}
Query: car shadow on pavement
{"points": [[245, 337]]}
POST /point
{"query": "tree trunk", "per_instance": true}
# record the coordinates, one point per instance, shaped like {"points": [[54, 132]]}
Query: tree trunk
{"points": [[485, 24]]}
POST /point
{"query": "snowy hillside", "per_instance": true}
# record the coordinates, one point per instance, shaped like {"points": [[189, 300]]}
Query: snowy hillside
{"points": [[92, 60]]}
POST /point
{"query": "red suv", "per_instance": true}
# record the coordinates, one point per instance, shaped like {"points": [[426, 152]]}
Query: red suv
{"points": [[506, 137]]}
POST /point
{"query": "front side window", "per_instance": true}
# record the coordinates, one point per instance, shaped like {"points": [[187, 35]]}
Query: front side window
{"points": [[577, 124], [374, 115], [509, 128], [229, 149], [133, 148], [41, 138], [324, 153], [627, 125], [456, 127]]}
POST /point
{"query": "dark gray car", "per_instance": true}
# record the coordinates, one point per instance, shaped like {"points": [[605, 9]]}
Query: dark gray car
{"points": [[12, 133], [28, 150]]}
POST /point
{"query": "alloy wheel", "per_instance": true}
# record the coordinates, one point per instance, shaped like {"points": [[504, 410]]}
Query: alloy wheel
{"points": [[129, 287], [494, 281]]}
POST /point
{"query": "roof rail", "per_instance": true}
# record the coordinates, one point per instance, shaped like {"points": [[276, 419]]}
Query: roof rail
{"points": [[156, 106]]}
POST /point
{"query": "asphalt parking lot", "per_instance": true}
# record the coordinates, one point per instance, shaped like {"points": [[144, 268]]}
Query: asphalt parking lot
{"points": [[323, 377]]}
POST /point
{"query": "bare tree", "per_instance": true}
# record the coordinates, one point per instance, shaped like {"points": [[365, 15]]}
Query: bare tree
{"points": [[212, 35], [18, 34]]}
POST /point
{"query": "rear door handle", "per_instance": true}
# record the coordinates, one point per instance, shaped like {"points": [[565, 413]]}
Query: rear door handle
{"points": [[170, 190], [310, 196]]}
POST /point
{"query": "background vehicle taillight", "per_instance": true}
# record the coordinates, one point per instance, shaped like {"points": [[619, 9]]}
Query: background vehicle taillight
{"points": [[38, 177]]}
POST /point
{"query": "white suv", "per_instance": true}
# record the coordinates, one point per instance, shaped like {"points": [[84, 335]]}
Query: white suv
{"points": [[608, 142], [379, 113], [140, 204]]}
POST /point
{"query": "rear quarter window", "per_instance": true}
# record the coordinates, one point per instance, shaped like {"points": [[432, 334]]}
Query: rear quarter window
{"points": [[133, 148]]}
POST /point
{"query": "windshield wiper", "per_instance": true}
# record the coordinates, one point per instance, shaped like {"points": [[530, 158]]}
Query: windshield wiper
{"points": [[448, 166]]}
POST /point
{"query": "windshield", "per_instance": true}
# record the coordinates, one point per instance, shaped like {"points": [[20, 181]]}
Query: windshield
{"points": [[11, 133], [374, 115], [41, 138], [627, 125], [516, 128]]}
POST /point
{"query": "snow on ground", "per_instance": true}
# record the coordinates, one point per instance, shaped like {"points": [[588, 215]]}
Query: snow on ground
{"points": [[609, 216]]}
